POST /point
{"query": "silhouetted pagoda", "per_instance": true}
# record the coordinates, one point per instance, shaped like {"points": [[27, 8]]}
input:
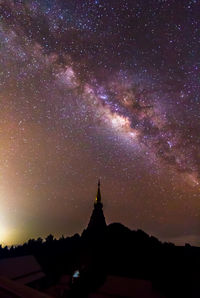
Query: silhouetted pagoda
{"points": [[97, 223]]}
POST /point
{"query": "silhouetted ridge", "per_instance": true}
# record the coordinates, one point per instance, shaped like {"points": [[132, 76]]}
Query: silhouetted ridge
{"points": [[117, 227]]}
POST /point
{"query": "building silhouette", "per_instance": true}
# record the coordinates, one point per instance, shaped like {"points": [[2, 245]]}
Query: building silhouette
{"points": [[97, 224]]}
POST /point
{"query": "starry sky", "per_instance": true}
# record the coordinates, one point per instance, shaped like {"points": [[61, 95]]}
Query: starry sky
{"points": [[107, 89]]}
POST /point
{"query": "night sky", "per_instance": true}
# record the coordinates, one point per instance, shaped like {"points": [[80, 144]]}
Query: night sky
{"points": [[95, 88]]}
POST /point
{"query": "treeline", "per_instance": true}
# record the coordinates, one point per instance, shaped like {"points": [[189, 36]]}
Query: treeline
{"points": [[119, 251]]}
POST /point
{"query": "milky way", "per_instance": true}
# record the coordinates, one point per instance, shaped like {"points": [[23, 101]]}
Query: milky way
{"points": [[104, 89]]}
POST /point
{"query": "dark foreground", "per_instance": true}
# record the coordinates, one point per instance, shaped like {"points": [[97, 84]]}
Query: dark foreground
{"points": [[117, 251]]}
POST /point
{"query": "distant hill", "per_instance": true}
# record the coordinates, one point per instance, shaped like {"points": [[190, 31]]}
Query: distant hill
{"points": [[117, 251]]}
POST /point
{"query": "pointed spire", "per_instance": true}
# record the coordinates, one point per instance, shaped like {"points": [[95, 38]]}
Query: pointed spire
{"points": [[97, 223], [98, 198]]}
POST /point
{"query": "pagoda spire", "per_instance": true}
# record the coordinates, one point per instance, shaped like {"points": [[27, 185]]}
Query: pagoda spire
{"points": [[97, 223], [98, 197]]}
